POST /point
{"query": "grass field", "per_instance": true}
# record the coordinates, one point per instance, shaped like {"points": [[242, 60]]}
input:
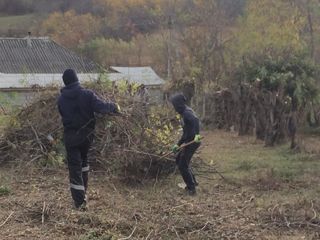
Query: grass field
{"points": [[21, 23], [266, 193], [246, 158]]}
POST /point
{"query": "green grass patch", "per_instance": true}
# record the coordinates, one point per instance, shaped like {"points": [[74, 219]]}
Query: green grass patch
{"points": [[4, 121], [243, 157], [245, 165], [20, 22], [314, 131], [287, 173], [4, 191], [15, 19]]}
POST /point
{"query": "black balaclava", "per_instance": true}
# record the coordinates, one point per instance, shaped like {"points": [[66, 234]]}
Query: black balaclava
{"points": [[179, 102], [69, 76]]}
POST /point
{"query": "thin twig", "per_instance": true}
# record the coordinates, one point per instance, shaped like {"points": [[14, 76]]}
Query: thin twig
{"points": [[314, 212], [148, 154], [196, 231], [43, 212], [37, 137], [149, 235], [173, 228], [134, 229], [175, 207], [7, 219], [156, 180]]}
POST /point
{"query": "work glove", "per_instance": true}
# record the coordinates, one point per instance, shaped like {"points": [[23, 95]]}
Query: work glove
{"points": [[197, 138], [175, 148]]}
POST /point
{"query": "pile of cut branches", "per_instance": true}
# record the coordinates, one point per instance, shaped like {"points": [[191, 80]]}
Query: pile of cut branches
{"points": [[130, 143]]}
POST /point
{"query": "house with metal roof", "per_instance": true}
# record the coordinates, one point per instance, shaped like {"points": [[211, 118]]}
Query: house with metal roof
{"points": [[32, 62], [140, 75], [28, 62]]}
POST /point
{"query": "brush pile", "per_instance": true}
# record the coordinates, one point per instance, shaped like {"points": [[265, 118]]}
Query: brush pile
{"points": [[130, 143]]}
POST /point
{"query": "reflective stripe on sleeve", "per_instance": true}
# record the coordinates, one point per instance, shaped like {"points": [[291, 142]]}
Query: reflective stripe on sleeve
{"points": [[85, 169], [77, 187]]}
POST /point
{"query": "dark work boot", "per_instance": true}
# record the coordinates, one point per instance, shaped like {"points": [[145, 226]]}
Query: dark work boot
{"points": [[82, 207], [191, 190]]}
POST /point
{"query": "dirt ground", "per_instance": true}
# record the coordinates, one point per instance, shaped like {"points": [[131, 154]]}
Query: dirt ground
{"points": [[267, 194]]}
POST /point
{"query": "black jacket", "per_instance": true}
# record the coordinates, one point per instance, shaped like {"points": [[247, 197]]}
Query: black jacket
{"points": [[190, 122], [77, 107]]}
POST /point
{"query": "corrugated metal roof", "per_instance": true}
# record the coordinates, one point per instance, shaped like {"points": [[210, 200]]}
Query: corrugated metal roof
{"points": [[140, 75], [39, 55]]}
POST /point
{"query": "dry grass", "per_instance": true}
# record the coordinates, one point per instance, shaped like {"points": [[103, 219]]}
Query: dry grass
{"points": [[274, 200]]}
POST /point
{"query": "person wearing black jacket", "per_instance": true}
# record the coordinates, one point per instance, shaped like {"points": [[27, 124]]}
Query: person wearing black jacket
{"points": [[77, 107], [191, 129]]}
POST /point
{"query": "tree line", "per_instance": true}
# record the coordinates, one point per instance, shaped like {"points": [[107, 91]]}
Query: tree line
{"points": [[202, 46]]}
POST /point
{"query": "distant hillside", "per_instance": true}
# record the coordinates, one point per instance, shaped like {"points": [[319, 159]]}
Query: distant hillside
{"points": [[22, 7], [17, 17]]}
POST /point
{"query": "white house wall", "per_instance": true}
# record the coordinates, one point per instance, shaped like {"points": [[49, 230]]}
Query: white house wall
{"points": [[15, 88], [42, 80]]}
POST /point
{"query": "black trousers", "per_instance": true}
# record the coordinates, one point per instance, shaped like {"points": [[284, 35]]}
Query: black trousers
{"points": [[77, 157], [183, 160]]}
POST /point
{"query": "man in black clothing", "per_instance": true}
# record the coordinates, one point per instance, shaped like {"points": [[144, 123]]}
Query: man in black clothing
{"points": [[77, 107], [191, 128]]}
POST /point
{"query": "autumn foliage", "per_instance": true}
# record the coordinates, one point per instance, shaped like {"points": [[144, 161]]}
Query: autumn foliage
{"points": [[71, 29]]}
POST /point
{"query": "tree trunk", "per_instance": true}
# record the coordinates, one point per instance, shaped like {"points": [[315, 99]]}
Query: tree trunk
{"points": [[310, 24]]}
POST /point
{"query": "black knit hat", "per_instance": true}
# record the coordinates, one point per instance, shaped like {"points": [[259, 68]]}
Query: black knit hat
{"points": [[69, 76]]}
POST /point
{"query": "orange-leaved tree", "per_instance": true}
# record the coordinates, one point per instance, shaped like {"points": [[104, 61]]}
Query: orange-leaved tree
{"points": [[70, 29]]}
